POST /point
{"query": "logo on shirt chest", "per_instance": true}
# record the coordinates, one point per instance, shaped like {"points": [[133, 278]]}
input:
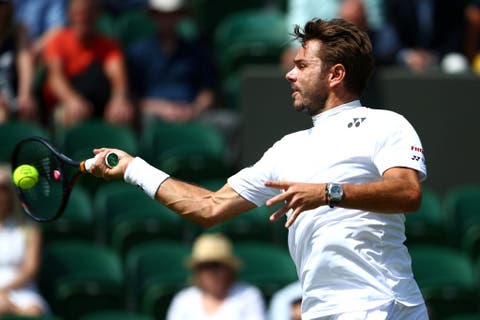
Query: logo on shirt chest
{"points": [[356, 122]]}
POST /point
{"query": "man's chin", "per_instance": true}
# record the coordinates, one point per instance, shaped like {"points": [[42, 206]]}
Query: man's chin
{"points": [[301, 108]]}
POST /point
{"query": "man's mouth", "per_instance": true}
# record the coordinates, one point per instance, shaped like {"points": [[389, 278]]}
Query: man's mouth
{"points": [[294, 92]]}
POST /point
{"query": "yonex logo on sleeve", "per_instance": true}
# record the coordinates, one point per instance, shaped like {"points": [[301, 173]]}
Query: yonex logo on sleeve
{"points": [[356, 122]]}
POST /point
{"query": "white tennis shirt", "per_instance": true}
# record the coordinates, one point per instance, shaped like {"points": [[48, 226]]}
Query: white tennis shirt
{"points": [[346, 259]]}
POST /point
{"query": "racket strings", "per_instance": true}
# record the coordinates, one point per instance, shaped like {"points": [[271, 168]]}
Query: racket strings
{"points": [[45, 199]]}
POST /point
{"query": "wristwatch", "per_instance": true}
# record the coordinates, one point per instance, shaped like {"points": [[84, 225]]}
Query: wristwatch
{"points": [[333, 193]]}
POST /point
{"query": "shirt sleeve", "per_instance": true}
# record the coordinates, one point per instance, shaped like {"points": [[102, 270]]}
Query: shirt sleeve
{"points": [[250, 182], [110, 50], [401, 148]]}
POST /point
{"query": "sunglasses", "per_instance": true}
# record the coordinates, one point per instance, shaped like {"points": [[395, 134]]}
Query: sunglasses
{"points": [[210, 265]]}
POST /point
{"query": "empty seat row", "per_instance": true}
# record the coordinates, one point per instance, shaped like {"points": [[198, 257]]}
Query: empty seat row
{"points": [[79, 277], [452, 219]]}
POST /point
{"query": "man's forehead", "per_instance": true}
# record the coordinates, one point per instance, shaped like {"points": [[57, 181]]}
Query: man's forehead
{"points": [[309, 51], [311, 48]]}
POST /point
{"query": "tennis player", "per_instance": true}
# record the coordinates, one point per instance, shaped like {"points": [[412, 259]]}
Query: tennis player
{"points": [[345, 184]]}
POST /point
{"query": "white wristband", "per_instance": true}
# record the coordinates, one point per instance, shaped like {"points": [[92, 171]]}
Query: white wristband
{"points": [[145, 176]]}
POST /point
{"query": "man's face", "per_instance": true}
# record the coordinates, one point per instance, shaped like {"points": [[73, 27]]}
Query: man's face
{"points": [[83, 15], [308, 82], [214, 277]]}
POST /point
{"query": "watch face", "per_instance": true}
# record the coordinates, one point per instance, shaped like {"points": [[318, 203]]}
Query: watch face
{"points": [[336, 192]]}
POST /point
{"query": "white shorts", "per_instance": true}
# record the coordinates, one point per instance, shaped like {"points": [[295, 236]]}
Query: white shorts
{"points": [[390, 311]]}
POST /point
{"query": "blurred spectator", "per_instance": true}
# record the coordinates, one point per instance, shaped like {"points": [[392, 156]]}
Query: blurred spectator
{"points": [[173, 79], [41, 18], [86, 71], [20, 245], [216, 294], [472, 33], [16, 68], [286, 303], [367, 14], [383, 39], [427, 30]]}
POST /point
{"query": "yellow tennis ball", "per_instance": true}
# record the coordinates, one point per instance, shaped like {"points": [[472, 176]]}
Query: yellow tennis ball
{"points": [[25, 176]]}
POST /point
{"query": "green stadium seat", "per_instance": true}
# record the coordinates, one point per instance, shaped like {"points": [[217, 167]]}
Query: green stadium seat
{"points": [[11, 132], [267, 266], [210, 13], [470, 241], [462, 209], [427, 225], [115, 315], [133, 25], [188, 151], [106, 25], [79, 141], [250, 37], [76, 222], [155, 271], [243, 38], [79, 277], [124, 215], [446, 278], [144, 224]]}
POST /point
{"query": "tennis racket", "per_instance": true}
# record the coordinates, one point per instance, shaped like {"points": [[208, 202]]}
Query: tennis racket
{"points": [[57, 174]]}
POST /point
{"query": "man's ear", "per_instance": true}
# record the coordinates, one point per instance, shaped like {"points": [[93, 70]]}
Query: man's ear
{"points": [[336, 75]]}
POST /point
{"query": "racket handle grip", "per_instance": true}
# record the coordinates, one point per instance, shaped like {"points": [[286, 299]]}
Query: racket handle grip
{"points": [[87, 164], [111, 160]]}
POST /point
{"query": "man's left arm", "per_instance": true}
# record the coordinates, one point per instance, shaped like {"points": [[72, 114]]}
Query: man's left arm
{"points": [[398, 190]]}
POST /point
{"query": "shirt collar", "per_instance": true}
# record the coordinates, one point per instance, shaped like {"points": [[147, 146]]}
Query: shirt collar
{"points": [[333, 111]]}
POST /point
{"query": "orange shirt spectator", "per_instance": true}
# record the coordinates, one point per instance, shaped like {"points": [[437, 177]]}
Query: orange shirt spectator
{"points": [[86, 71], [77, 56]]}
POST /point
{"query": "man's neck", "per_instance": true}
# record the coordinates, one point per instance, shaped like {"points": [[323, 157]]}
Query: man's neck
{"points": [[335, 100]]}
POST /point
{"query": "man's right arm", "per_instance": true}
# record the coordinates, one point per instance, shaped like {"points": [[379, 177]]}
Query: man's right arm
{"points": [[190, 201], [200, 205]]}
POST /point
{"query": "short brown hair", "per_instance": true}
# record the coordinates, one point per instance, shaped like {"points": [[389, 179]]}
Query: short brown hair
{"points": [[344, 43]]}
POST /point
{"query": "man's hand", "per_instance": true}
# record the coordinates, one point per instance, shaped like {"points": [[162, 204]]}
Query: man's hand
{"points": [[27, 106], [297, 196], [100, 169], [119, 110], [77, 108]]}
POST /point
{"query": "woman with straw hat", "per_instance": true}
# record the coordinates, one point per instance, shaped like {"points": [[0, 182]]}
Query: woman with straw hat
{"points": [[215, 293]]}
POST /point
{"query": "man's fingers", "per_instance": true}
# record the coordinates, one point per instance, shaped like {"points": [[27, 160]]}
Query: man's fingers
{"points": [[279, 213], [293, 217], [98, 150], [278, 184], [277, 199]]}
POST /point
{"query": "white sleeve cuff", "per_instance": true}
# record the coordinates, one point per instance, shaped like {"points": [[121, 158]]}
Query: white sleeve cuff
{"points": [[145, 176]]}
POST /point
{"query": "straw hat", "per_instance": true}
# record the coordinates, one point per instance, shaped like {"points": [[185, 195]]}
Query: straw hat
{"points": [[213, 248]]}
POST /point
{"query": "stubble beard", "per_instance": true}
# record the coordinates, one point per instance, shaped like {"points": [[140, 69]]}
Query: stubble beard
{"points": [[312, 106]]}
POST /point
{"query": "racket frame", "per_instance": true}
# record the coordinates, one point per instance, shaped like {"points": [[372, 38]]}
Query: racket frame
{"points": [[67, 184]]}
